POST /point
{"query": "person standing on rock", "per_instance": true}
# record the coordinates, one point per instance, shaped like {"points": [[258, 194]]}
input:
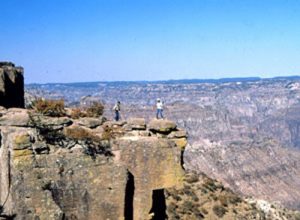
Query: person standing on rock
{"points": [[159, 109], [117, 109]]}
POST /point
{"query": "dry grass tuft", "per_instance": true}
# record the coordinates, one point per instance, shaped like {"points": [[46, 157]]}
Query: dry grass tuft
{"points": [[54, 108], [80, 134], [95, 110], [78, 113]]}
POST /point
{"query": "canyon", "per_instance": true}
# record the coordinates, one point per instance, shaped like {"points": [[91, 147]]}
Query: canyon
{"points": [[57, 165], [243, 132]]}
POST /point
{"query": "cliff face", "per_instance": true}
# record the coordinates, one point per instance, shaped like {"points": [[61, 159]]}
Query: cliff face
{"points": [[11, 85], [263, 169], [59, 168]]}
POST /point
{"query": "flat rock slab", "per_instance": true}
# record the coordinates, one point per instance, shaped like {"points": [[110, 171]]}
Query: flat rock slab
{"points": [[15, 117], [90, 122], [162, 126], [53, 122], [137, 123], [178, 134]]}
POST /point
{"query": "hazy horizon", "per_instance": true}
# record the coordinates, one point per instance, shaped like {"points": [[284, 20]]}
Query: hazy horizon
{"points": [[70, 41], [226, 79]]}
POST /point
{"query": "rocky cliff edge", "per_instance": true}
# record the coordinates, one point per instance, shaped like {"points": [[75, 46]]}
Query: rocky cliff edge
{"points": [[88, 168]]}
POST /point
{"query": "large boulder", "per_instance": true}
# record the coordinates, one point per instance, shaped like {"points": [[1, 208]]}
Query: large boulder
{"points": [[178, 134], [91, 122], [14, 117], [136, 124], [162, 126], [55, 123]]}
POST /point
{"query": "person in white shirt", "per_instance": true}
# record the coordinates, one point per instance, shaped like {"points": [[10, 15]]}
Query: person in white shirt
{"points": [[159, 109], [117, 109]]}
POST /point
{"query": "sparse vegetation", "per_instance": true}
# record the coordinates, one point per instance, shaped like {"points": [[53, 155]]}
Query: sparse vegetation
{"points": [[93, 143], [217, 200], [219, 210], [54, 108], [223, 200], [229, 198], [187, 206], [107, 133], [210, 185], [95, 109], [78, 113]]}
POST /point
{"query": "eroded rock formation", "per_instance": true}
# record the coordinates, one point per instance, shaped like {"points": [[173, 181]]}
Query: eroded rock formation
{"points": [[11, 85], [60, 168]]}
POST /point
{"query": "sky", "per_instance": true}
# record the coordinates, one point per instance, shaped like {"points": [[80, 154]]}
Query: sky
{"points": [[128, 40]]}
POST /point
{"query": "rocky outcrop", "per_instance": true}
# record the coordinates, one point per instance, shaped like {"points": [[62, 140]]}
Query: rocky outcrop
{"points": [[11, 85], [60, 168]]}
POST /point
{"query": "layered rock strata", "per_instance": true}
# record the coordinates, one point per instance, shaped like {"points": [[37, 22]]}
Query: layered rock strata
{"points": [[11, 85], [59, 168]]}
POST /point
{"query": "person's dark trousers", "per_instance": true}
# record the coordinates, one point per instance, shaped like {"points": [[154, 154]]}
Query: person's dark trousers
{"points": [[117, 115], [159, 113]]}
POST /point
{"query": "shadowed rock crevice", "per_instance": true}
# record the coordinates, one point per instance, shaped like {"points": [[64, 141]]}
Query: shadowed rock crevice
{"points": [[11, 86], [14, 88], [7, 217], [158, 205], [182, 159], [129, 195]]}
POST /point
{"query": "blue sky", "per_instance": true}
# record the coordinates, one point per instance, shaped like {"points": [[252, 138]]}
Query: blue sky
{"points": [[108, 40]]}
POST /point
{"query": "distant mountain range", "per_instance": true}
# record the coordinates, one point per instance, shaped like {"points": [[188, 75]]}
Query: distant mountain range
{"points": [[173, 81]]}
